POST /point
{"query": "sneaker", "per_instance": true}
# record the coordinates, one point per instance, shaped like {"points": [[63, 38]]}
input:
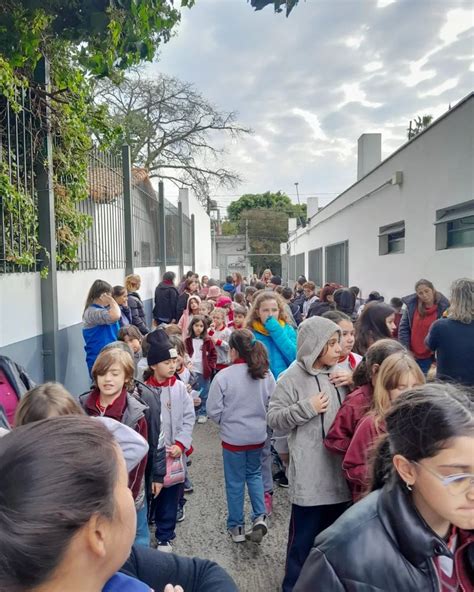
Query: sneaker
{"points": [[165, 547], [259, 530], [268, 498], [202, 419], [181, 514], [237, 533], [283, 481], [189, 489], [278, 475]]}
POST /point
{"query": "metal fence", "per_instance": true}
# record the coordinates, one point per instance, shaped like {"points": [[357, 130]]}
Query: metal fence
{"points": [[103, 244], [146, 221], [171, 233], [18, 197], [102, 213]]}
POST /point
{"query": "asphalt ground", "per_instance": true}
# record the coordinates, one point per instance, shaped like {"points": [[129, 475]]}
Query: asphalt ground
{"points": [[255, 568]]}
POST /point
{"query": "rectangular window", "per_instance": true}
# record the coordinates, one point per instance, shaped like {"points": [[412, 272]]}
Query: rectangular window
{"points": [[337, 263], [299, 268], [315, 266], [392, 238], [455, 226], [292, 268]]}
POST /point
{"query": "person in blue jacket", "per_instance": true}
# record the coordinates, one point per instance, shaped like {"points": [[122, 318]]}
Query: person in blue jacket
{"points": [[100, 320], [268, 322]]}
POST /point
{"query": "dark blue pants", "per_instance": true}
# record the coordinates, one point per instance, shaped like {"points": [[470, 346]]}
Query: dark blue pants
{"points": [[306, 522], [424, 364], [166, 506]]}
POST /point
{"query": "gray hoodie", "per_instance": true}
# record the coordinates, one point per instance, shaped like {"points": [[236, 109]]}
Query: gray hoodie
{"points": [[314, 473]]}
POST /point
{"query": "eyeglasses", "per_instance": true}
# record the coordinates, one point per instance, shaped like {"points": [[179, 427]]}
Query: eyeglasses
{"points": [[455, 484]]}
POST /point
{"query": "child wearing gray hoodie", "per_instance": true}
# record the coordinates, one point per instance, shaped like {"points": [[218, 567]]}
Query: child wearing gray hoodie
{"points": [[304, 405]]}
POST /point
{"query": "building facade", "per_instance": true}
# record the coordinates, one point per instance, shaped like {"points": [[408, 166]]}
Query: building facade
{"points": [[410, 217]]}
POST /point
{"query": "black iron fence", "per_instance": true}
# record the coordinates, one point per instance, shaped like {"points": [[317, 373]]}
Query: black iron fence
{"points": [[18, 197], [102, 224]]}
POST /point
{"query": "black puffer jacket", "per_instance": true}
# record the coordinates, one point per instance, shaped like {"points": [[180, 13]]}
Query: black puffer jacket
{"points": [[382, 545], [135, 305], [166, 300]]}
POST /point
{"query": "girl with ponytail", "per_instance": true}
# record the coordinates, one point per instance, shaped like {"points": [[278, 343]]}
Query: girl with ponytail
{"points": [[415, 530], [238, 401]]}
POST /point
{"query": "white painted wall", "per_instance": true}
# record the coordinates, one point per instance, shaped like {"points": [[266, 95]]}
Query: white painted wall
{"points": [[437, 172], [203, 244], [20, 307]]}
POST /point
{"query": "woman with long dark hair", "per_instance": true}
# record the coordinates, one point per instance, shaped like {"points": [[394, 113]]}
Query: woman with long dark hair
{"points": [[377, 321], [414, 531], [423, 308]]}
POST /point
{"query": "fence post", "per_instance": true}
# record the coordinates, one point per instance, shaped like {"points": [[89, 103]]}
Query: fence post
{"points": [[127, 208], [193, 242], [180, 240], [162, 227], [47, 233]]}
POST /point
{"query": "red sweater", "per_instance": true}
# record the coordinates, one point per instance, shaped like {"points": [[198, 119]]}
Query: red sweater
{"points": [[356, 463], [209, 355], [420, 329], [116, 411], [352, 410]]}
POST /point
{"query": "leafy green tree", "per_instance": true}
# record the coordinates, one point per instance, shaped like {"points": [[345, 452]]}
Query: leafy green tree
{"points": [[264, 217], [275, 201]]}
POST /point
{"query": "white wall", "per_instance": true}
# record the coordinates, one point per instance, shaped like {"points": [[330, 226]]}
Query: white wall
{"points": [[203, 244], [20, 307], [437, 172]]}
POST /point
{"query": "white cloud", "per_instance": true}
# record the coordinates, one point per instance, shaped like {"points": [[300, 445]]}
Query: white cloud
{"points": [[354, 94], [312, 120], [458, 21], [354, 42], [373, 66], [417, 73], [384, 3], [440, 89]]}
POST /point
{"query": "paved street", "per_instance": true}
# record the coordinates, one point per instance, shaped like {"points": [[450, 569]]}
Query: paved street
{"points": [[203, 533]]}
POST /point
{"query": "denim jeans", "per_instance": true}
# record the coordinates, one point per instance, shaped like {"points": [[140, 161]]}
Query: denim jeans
{"points": [[166, 507], [202, 385], [240, 468], [142, 536]]}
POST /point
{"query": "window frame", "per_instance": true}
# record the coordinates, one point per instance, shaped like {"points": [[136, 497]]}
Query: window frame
{"points": [[388, 238], [445, 218]]}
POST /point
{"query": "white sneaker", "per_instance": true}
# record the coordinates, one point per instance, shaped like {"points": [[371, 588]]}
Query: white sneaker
{"points": [[202, 419], [165, 547], [259, 530], [237, 533]]}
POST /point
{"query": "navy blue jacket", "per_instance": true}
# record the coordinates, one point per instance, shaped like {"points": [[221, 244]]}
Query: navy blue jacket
{"points": [[166, 301], [404, 331], [137, 311]]}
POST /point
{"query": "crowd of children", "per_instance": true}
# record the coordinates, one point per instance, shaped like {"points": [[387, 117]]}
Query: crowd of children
{"points": [[303, 384]]}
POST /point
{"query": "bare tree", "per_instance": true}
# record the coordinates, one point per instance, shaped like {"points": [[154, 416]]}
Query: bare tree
{"points": [[174, 132]]}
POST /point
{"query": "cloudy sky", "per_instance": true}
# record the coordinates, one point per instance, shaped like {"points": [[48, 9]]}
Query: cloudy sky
{"points": [[311, 84]]}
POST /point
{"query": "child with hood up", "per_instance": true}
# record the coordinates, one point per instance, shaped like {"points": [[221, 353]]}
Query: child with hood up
{"points": [[191, 310], [304, 405]]}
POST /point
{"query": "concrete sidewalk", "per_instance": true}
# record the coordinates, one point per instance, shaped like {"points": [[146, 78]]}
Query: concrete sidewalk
{"points": [[255, 568]]}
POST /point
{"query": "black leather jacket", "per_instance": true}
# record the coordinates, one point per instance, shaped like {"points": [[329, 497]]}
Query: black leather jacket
{"points": [[381, 544]]}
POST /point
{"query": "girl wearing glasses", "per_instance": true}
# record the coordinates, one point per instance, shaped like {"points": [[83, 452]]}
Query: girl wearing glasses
{"points": [[414, 532]]}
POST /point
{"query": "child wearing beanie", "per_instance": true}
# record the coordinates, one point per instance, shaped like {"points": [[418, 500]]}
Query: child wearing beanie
{"points": [[177, 413]]}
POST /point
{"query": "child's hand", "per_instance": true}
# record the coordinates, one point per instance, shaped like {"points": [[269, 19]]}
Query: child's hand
{"points": [[175, 451], [320, 402], [189, 388], [341, 378], [197, 401], [171, 588], [156, 489], [106, 299]]}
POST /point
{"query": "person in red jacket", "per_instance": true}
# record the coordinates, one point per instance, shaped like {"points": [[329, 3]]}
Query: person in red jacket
{"points": [[398, 373], [358, 402], [113, 373], [203, 354]]}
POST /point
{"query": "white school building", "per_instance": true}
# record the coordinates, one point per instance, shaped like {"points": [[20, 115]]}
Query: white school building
{"points": [[407, 217]]}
